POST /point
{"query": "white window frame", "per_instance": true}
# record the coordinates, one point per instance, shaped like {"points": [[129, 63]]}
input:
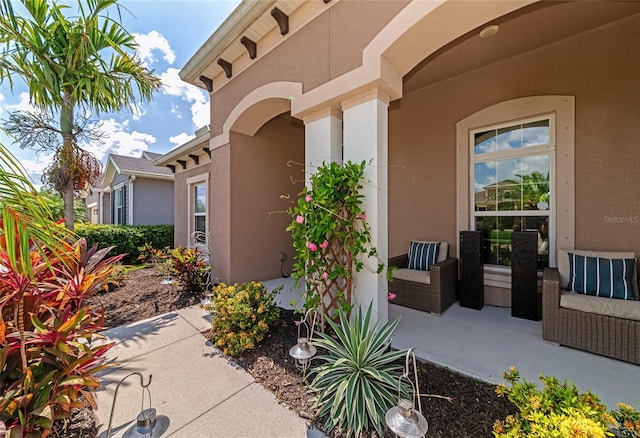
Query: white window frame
{"points": [[563, 107], [192, 182], [529, 151], [116, 216]]}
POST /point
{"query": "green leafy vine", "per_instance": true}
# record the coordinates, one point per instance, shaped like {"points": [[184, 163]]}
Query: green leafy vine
{"points": [[327, 214]]}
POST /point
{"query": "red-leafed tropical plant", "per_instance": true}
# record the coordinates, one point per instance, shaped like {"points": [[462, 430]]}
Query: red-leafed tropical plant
{"points": [[50, 348]]}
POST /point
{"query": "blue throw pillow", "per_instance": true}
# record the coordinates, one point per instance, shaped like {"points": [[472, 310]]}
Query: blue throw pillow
{"points": [[601, 277], [423, 254]]}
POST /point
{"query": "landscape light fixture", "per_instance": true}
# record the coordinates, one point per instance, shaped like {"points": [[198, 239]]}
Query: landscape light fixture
{"points": [[304, 350], [148, 423], [404, 420]]}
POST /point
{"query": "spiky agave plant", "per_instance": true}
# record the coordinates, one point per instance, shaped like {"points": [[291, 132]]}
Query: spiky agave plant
{"points": [[358, 381]]}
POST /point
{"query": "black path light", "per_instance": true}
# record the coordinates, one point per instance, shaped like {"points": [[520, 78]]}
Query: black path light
{"points": [[304, 350], [148, 424], [404, 420]]}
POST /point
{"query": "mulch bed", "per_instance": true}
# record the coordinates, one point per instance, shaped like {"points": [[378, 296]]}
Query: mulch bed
{"points": [[471, 412]]}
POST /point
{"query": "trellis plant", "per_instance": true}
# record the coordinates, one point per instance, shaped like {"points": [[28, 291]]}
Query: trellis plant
{"points": [[330, 212]]}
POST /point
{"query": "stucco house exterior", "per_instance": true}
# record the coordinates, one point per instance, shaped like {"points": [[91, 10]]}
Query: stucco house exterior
{"points": [[139, 192], [442, 98]]}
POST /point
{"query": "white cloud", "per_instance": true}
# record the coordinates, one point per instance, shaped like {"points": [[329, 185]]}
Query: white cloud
{"points": [[1, 100], [174, 86], [148, 43], [36, 166], [200, 114], [23, 104], [118, 141], [181, 138]]}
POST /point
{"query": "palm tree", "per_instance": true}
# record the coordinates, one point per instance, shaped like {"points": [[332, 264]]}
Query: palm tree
{"points": [[535, 188], [83, 62]]}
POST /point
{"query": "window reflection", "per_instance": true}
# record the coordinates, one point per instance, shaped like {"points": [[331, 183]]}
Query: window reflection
{"points": [[517, 136]]}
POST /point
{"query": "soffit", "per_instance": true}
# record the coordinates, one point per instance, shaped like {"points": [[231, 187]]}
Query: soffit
{"points": [[225, 42], [527, 29]]}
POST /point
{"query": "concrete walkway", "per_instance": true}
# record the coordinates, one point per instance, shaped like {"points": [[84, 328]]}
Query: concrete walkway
{"points": [[194, 389]]}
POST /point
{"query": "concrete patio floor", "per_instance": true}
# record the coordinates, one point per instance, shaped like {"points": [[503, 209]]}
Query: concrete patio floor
{"points": [[485, 343]]}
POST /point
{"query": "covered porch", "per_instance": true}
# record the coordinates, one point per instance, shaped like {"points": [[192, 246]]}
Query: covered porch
{"points": [[485, 343]]}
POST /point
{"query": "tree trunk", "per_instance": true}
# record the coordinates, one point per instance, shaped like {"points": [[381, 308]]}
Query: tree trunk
{"points": [[68, 144]]}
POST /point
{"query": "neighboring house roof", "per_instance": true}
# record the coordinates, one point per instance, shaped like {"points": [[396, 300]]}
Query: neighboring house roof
{"points": [[142, 166], [151, 155]]}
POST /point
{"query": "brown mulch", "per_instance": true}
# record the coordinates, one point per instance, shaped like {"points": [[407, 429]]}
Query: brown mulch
{"points": [[471, 412]]}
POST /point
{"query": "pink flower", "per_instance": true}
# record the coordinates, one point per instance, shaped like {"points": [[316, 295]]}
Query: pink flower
{"points": [[297, 323], [307, 198], [300, 219], [324, 244], [362, 216], [325, 275], [391, 296], [312, 246]]}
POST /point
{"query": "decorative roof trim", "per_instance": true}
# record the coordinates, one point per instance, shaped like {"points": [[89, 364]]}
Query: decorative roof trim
{"points": [[229, 31], [202, 136]]}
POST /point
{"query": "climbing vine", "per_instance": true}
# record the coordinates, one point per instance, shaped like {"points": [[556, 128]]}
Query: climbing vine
{"points": [[331, 236]]}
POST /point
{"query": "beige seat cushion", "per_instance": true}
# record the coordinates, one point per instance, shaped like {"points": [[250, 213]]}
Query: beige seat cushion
{"points": [[563, 264], [414, 275], [624, 309]]}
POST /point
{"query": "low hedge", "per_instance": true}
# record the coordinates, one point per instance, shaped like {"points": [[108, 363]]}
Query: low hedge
{"points": [[126, 238]]}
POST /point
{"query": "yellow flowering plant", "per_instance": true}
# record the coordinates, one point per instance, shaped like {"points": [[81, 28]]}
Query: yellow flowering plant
{"points": [[242, 315], [558, 410]]}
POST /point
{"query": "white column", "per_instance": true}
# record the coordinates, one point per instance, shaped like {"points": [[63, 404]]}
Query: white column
{"points": [[366, 139], [322, 139]]}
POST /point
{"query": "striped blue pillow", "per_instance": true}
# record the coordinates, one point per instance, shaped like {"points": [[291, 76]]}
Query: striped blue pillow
{"points": [[601, 277], [423, 254]]}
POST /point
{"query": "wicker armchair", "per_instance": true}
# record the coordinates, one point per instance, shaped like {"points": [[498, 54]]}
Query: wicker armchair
{"points": [[435, 296], [602, 334]]}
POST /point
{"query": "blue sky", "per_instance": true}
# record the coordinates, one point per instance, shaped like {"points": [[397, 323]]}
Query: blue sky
{"points": [[168, 32]]}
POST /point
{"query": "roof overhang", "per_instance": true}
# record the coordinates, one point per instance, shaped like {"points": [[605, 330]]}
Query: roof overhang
{"points": [[230, 31], [195, 144], [110, 171]]}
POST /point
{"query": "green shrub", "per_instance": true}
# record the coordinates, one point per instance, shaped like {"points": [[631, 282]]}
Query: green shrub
{"points": [[627, 421], [188, 267], [242, 315], [358, 383], [558, 410], [126, 239]]}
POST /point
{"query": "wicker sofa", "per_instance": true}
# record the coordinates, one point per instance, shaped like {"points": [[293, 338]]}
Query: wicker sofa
{"points": [[431, 291], [605, 326]]}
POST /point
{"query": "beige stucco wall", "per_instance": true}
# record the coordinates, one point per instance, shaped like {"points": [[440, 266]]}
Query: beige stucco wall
{"points": [[258, 176], [330, 46], [597, 67]]}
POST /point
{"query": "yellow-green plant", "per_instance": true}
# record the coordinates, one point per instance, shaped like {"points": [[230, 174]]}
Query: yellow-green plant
{"points": [[627, 421], [558, 410], [242, 315], [358, 381]]}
